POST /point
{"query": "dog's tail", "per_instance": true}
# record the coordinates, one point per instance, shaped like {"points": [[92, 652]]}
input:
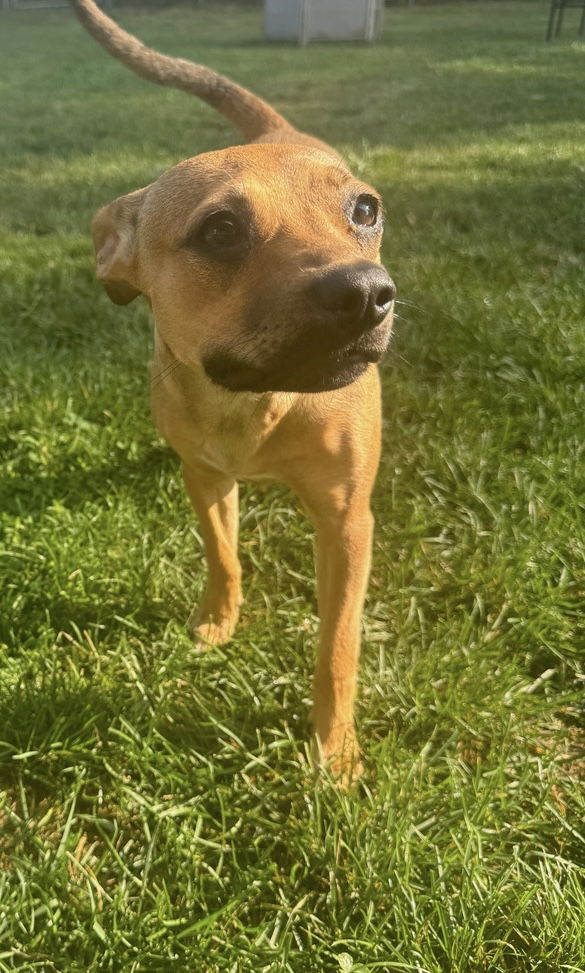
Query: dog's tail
{"points": [[252, 115]]}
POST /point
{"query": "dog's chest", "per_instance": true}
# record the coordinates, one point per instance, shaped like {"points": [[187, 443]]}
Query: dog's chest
{"points": [[234, 438], [222, 432], [230, 443]]}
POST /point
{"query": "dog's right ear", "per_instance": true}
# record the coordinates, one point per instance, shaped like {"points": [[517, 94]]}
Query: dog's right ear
{"points": [[114, 230]]}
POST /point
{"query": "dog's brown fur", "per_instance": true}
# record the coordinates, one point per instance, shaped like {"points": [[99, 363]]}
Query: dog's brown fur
{"points": [[209, 314]]}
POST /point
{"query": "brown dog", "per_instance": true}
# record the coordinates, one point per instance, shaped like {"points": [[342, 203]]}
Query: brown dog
{"points": [[261, 265]]}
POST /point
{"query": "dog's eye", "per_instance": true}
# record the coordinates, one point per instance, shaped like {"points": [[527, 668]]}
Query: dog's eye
{"points": [[365, 211], [221, 231]]}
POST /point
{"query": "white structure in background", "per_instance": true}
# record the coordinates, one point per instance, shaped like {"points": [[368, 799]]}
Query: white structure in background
{"points": [[322, 20]]}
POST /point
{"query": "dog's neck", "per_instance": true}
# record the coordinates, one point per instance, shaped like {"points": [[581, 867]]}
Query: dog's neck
{"points": [[208, 414]]}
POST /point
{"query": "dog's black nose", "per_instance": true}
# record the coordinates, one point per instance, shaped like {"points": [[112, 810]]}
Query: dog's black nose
{"points": [[359, 294]]}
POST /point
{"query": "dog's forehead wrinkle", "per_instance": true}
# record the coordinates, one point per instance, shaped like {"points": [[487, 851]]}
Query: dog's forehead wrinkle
{"points": [[282, 191], [274, 166]]}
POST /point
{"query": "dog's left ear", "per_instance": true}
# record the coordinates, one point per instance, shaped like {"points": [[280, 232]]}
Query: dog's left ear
{"points": [[114, 230]]}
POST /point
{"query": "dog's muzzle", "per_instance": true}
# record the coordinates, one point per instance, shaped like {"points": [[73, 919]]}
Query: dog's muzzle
{"points": [[346, 318]]}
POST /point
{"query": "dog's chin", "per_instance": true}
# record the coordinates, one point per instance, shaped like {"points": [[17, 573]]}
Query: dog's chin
{"points": [[322, 374], [325, 382]]}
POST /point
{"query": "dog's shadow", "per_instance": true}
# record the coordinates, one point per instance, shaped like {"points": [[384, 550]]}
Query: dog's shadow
{"points": [[52, 732], [75, 486]]}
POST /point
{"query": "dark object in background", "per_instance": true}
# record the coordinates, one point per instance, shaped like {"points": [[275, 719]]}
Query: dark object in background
{"points": [[557, 9]]}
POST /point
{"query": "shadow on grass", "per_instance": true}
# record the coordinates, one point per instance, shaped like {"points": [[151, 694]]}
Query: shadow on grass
{"points": [[46, 724], [76, 487], [55, 725]]}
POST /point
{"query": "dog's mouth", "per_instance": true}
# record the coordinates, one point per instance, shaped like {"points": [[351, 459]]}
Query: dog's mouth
{"points": [[291, 372]]}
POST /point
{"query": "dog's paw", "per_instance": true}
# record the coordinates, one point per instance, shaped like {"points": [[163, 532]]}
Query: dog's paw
{"points": [[346, 770], [207, 634], [341, 759]]}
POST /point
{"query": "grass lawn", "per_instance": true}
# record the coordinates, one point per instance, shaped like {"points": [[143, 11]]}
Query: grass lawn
{"points": [[157, 811]]}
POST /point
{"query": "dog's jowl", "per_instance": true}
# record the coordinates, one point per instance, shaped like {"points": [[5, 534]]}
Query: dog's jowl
{"points": [[271, 309]]}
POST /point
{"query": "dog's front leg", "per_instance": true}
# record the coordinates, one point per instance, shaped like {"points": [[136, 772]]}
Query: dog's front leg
{"points": [[215, 499], [344, 543], [344, 527]]}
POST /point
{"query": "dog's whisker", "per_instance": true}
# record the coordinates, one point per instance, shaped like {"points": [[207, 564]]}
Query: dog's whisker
{"points": [[166, 370], [415, 307], [165, 373]]}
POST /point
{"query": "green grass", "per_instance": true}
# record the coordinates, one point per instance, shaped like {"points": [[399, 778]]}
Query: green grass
{"points": [[157, 810]]}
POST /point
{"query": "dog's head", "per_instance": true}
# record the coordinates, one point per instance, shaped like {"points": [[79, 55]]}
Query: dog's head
{"points": [[260, 262]]}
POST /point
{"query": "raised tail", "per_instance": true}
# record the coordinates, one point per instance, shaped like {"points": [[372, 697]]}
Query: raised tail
{"points": [[252, 115]]}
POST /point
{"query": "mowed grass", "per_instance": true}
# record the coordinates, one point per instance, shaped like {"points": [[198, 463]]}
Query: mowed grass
{"points": [[158, 810]]}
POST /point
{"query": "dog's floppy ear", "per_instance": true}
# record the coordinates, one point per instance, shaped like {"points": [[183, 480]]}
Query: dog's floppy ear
{"points": [[114, 230]]}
